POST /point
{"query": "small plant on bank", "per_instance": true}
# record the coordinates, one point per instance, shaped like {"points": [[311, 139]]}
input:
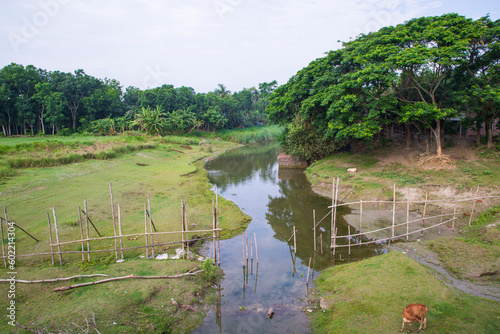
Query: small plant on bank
{"points": [[208, 270]]}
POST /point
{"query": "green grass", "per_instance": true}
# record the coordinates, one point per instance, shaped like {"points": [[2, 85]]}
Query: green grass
{"points": [[252, 135], [369, 297], [127, 306]]}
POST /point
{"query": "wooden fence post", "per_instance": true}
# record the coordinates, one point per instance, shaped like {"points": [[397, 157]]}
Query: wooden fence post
{"points": [[114, 222], [87, 228], [394, 210], [80, 222], [120, 230], [3, 237], [472, 213], [146, 230], [256, 250], [294, 240], [314, 224], [57, 235], [423, 217], [361, 216], [454, 216], [213, 233], [407, 219]]}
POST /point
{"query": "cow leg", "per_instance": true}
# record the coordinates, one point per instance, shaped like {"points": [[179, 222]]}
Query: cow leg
{"points": [[403, 326]]}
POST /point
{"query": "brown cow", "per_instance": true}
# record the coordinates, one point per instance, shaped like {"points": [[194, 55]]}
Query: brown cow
{"points": [[414, 312]]}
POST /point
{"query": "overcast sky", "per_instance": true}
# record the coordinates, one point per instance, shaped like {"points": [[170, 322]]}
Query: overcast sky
{"points": [[198, 43]]}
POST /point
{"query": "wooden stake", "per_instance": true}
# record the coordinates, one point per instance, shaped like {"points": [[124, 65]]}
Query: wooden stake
{"points": [[243, 238], [349, 237], [120, 230], [332, 229], [150, 214], [146, 230], [114, 222], [80, 222], [3, 237], [442, 214], [361, 216], [314, 224], [57, 235], [151, 227], [87, 228], [246, 243], [335, 241], [50, 239], [407, 219], [472, 213], [187, 234], [394, 210], [213, 232], [423, 217], [217, 221], [251, 250], [182, 228], [321, 243]]}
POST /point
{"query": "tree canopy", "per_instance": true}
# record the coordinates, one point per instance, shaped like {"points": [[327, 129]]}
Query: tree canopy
{"points": [[418, 73]]}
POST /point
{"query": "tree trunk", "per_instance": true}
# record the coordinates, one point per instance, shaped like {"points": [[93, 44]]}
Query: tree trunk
{"points": [[4, 132], [489, 134], [437, 134], [478, 133]]}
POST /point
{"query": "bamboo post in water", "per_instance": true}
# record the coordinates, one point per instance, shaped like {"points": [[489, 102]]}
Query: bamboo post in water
{"points": [[80, 222], [334, 214], [243, 239], [423, 217], [251, 250], [120, 230], [213, 232], [393, 210], [256, 250], [57, 235], [87, 227], [246, 244], [146, 230], [114, 222], [314, 224], [50, 239], [217, 223], [472, 213]]}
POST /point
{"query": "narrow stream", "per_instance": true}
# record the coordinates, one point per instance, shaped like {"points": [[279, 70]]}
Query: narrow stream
{"points": [[276, 200]]}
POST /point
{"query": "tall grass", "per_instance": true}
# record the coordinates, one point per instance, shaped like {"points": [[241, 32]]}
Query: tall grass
{"points": [[258, 134]]}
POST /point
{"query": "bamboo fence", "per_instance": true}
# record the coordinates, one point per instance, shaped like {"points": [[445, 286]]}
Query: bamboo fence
{"points": [[150, 233], [427, 222]]}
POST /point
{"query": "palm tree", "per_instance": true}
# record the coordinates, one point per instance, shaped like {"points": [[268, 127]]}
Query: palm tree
{"points": [[222, 91]]}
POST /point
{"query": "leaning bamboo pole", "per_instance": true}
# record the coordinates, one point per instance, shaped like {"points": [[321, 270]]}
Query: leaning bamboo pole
{"points": [[80, 222], [151, 226], [57, 236], [472, 213], [120, 231], [3, 237]]}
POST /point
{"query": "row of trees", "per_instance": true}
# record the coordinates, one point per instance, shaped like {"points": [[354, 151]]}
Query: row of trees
{"points": [[33, 100], [416, 74]]}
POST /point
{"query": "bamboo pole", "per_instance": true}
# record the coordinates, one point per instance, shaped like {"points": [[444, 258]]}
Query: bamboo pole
{"points": [[120, 230], [442, 214], [80, 222], [3, 237], [182, 228], [246, 244], [335, 206], [314, 224], [472, 213], [87, 228], [335, 241], [321, 243], [50, 239], [423, 217], [243, 239], [256, 250], [213, 232], [151, 227], [187, 234], [114, 221], [361, 216], [332, 228], [146, 230], [57, 235], [251, 250], [407, 218], [394, 210], [217, 221], [150, 214], [349, 237]]}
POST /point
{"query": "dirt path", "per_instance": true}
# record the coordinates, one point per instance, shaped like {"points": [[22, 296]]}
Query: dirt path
{"points": [[420, 253]]}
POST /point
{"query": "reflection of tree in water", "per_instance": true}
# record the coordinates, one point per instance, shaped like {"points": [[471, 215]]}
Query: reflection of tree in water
{"points": [[234, 168]]}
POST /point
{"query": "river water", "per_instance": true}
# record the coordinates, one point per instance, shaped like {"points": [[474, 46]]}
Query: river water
{"points": [[276, 200]]}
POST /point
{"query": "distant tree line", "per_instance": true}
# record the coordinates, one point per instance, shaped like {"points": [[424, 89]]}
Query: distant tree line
{"points": [[414, 75], [36, 101]]}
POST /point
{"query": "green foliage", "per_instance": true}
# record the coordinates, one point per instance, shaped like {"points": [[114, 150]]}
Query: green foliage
{"points": [[208, 270]]}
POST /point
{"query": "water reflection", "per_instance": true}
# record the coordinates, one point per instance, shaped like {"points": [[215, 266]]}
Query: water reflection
{"points": [[277, 200]]}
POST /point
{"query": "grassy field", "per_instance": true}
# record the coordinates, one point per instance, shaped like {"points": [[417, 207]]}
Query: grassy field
{"points": [[164, 169], [369, 297]]}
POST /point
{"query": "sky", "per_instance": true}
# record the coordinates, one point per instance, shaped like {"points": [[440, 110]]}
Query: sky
{"points": [[199, 43]]}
